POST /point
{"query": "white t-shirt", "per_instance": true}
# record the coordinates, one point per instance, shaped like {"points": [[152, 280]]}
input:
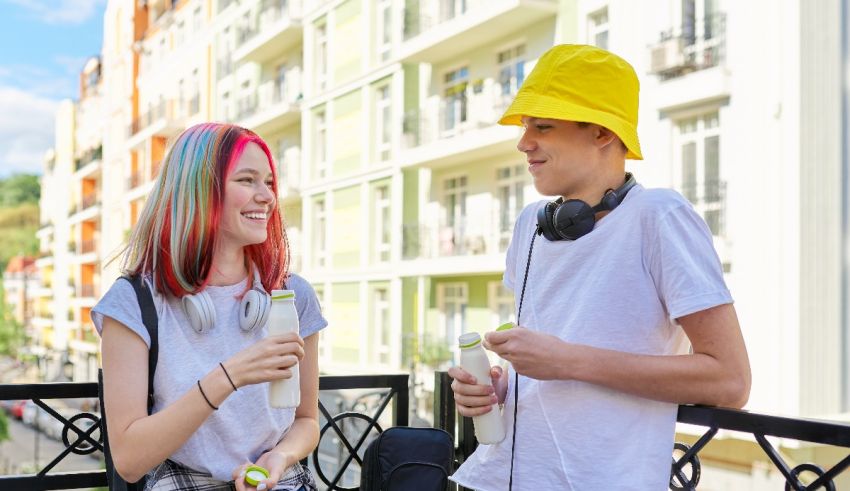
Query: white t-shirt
{"points": [[245, 425], [646, 263]]}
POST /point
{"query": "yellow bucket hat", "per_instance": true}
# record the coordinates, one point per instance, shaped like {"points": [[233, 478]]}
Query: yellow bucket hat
{"points": [[581, 83]]}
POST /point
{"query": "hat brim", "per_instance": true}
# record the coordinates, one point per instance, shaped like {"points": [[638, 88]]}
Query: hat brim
{"points": [[543, 106]]}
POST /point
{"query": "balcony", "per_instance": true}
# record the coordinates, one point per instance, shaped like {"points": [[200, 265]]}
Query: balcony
{"points": [[86, 291], [165, 119], [289, 174], [434, 30], [275, 29], [709, 200], [87, 208], [88, 162], [465, 247], [349, 418], [689, 48], [275, 106], [135, 180], [446, 132]]}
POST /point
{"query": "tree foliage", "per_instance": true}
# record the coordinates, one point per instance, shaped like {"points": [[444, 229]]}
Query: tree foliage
{"points": [[19, 189]]}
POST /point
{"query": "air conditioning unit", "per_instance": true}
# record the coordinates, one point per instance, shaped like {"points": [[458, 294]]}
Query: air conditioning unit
{"points": [[667, 56]]}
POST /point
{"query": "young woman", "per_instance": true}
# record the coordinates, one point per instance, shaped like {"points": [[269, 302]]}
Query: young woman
{"points": [[210, 232]]}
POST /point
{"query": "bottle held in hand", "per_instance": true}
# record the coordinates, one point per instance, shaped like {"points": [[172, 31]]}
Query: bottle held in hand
{"points": [[283, 318], [473, 359]]}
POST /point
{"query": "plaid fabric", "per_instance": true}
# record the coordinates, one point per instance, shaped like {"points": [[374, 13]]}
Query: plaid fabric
{"points": [[171, 476]]}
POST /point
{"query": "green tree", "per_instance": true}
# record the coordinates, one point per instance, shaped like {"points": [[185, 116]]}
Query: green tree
{"points": [[12, 336], [4, 427], [18, 226], [18, 189]]}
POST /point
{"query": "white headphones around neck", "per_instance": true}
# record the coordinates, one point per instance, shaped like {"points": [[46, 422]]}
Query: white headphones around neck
{"points": [[253, 310]]}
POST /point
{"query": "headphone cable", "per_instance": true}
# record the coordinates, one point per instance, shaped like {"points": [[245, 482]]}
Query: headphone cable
{"points": [[537, 232]]}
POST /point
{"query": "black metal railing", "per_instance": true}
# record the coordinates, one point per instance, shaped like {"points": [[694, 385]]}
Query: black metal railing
{"points": [[760, 426], [81, 433]]}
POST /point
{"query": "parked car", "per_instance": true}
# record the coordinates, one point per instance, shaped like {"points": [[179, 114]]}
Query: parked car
{"points": [[13, 407]]}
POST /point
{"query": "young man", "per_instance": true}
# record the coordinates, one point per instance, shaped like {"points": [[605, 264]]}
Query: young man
{"points": [[609, 289]]}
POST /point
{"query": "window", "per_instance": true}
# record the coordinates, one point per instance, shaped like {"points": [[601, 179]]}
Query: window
{"points": [[325, 334], [451, 9], [385, 29], [452, 300], [225, 106], [454, 206], [179, 33], [597, 28], [381, 336], [702, 32], [511, 71], [382, 223], [280, 83], [197, 20], [698, 141], [502, 304], [321, 146], [383, 123], [454, 104], [320, 243], [321, 57], [510, 186]]}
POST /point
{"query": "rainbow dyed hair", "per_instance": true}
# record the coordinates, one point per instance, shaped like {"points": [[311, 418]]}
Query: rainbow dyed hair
{"points": [[176, 234]]}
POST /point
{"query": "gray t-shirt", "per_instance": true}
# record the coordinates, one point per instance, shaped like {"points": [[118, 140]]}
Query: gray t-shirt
{"points": [[245, 425]]}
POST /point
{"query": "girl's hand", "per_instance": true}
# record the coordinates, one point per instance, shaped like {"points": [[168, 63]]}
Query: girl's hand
{"points": [[266, 360], [273, 461]]}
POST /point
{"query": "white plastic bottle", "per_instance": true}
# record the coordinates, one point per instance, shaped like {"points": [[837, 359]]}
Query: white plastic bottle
{"points": [[283, 318], [473, 359]]}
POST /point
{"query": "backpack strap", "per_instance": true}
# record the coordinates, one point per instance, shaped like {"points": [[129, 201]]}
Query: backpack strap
{"points": [[151, 322]]}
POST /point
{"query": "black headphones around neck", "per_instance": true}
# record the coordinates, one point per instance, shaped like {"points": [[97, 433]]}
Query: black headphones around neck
{"points": [[573, 218]]}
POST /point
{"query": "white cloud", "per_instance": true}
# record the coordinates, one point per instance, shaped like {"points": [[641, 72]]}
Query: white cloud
{"points": [[26, 130], [60, 11], [41, 81]]}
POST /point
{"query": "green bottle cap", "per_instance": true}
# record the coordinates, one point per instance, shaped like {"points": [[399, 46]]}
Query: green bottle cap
{"points": [[506, 326], [254, 474]]}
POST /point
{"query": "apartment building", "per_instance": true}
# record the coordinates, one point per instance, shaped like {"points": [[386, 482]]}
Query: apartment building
{"points": [[399, 191], [21, 287]]}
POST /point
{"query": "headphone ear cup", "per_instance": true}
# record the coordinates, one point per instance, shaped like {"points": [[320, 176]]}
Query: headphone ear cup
{"points": [[265, 307], [573, 219], [254, 310], [545, 222], [200, 311]]}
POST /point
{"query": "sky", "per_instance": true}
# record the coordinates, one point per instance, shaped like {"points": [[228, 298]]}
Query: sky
{"points": [[43, 47]]}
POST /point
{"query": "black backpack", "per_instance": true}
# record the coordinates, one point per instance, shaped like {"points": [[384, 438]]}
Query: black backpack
{"points": [[149, 318], [403, 459]]}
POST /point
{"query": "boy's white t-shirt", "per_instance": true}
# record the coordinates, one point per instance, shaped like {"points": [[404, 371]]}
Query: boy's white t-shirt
{"points": [[245, 425], [620, 287]]}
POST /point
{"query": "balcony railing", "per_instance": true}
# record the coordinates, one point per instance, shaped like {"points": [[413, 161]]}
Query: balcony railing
{"points": [[441, 118], [134, 180], [463, 238], [87, 291], [88, 201], [709, 200], [148, 118], [686, 469], [270, 93], [423, 15], [88, 157], [690, 47], [345, 434], [269, 12], [349, 418], [87, 246]]}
